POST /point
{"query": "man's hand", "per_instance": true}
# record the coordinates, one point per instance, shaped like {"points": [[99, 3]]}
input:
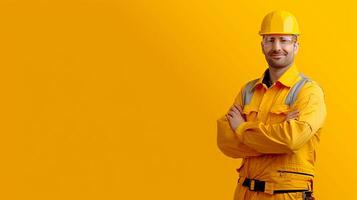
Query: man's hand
{"points": [[235, 117], [292, 115]]}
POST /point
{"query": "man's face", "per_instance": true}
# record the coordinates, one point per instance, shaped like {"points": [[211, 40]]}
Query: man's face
{"points": [[279, 50]]}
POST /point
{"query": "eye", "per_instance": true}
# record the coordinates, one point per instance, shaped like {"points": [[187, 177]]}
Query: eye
{"points": [[270, 40]]}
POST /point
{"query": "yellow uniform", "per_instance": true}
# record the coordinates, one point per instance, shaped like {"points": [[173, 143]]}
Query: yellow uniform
{"points": [[278, 154]]}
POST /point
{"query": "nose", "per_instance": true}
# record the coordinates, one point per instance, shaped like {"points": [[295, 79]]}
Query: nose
{"points": [[276, 45]]}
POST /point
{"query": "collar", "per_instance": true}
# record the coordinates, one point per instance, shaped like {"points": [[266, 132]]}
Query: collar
{"points": [[287, 79]]}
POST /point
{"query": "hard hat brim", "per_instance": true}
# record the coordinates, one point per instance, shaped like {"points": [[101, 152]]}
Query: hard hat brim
{"points": [[278, 33]]}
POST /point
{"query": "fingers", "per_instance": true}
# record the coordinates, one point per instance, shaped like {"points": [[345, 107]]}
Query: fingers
{"points": [[293, 112], [236, 109], [239, 108], [229, 117], [231, 114], [292, 115]]}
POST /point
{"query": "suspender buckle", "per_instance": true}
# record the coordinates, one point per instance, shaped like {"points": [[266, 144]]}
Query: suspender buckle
{"points": [[254, 185], [251, 185]]}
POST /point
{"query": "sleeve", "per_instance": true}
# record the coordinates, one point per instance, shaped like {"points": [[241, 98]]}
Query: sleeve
{"points": [[227, 140], [287, 136]]}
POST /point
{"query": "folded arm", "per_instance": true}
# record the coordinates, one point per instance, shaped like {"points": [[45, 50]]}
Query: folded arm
{"points": [[287, 136], [229, 143], [227, 140]]}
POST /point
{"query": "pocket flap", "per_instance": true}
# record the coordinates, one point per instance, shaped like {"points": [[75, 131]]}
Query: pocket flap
{"points": [[250, 108], [280, 108]]}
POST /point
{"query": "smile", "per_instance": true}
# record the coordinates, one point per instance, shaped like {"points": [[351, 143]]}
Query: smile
{"points": [[277, 56]]}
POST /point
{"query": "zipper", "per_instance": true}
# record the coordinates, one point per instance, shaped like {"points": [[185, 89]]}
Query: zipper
{"points": [[296, 173]]}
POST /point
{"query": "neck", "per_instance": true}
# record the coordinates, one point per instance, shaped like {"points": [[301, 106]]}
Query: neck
{"points": [[275, 73]]}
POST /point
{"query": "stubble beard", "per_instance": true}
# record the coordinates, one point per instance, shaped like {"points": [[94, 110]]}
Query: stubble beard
{"points": [[280, 64]]}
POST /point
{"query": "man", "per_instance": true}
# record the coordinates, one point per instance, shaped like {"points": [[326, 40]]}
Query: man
{"points": [[275, 121]]}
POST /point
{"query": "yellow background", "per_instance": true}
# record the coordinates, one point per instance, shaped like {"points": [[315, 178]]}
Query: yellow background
{"points": [[119, 99]]}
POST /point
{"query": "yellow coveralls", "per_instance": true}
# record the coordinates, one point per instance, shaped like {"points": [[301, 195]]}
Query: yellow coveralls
{"points": [[280, 152]]}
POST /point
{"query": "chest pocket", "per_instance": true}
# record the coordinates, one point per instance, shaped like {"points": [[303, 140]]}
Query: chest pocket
{"points": [[250, 112], [278, 113]]}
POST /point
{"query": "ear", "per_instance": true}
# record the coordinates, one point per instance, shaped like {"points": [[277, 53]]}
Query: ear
{"points": [[262, 47], [296, 47]]}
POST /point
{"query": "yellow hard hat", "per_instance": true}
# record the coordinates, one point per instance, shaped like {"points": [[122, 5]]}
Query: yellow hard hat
{"points": [[279, 22]]}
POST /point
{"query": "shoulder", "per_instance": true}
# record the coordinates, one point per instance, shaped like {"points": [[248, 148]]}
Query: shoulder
{"points": [[249, 84], [245, 92], [311, 92], [311, 87]]}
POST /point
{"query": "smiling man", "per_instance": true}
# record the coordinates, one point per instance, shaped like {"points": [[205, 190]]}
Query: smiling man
{"points": [[275, 122]]}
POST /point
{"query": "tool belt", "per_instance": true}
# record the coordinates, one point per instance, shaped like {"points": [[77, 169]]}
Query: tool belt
{"points": [[259, 186]]}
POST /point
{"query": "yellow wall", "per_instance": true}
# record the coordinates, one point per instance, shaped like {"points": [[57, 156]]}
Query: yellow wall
{"points": [[119, 99]]}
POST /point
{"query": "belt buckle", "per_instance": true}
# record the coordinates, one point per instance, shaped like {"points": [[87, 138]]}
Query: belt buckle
{"points": [[251, 185]]}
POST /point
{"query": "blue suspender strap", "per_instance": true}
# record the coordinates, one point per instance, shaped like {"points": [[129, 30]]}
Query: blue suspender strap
{"points": [[248, 92], [295, 89]]}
